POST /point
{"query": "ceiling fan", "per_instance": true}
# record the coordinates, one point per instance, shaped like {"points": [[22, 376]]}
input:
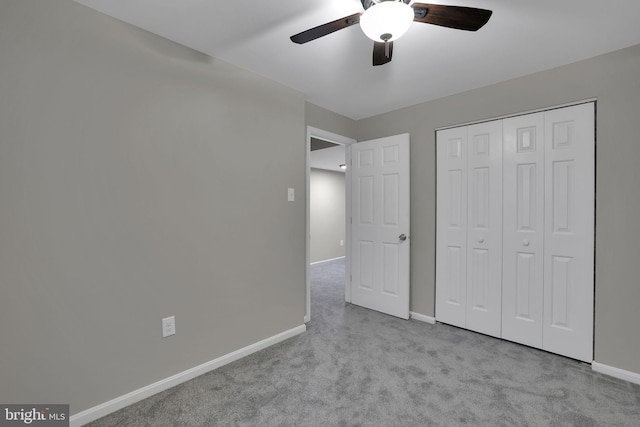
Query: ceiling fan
{"points": [[384, 21]]}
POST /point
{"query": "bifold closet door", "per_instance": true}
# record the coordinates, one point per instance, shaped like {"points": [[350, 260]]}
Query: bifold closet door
{"points": [[548, 235], [569, 231], [451, 233], [515, 229], [484, 227], [523, 229], [469, 234]]}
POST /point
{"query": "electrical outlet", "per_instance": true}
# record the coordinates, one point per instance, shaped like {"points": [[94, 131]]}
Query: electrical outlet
{"points": [[168, 326]]}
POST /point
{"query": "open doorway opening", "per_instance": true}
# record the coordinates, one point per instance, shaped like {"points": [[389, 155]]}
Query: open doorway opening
{"points": [[328, 203]]}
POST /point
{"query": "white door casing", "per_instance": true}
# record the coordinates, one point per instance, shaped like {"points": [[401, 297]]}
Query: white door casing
{"points": [[380, 231], [523, 229], [347, 142], [569, 231]]}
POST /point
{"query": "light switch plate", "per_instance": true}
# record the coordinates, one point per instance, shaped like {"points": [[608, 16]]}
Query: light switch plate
{"points": [[168, 326], [291, 194]]}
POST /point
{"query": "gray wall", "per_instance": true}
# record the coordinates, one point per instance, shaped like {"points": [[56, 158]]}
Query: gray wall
{"points": [[131, 189], [329, 121], [614, 80], [327, 214]]}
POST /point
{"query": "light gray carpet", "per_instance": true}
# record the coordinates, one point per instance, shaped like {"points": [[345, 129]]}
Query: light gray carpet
{"points": [[357, 367]]}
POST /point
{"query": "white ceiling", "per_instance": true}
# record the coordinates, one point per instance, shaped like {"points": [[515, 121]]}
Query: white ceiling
{"points": [[328, 158], [429, 62]]}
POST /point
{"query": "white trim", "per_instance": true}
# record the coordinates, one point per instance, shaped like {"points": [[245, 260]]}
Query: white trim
{"points": [[506, 116], [632, 377], [329, 136], [422, 317], [326, 260], [113, 405], [341, 140], [347, 225]]}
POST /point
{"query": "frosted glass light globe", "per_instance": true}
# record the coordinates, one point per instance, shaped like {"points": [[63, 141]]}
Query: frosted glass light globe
{"points": [[386, 21]]}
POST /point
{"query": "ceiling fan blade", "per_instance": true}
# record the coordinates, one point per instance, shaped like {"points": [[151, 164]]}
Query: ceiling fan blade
{"points": [[382, 53], [458, 17], [328, 28]]}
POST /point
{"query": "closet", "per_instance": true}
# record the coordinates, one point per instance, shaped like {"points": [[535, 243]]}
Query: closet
{"points": [[515, 228]]}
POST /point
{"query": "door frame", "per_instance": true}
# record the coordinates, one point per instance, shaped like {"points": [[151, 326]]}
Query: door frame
{"points": [[335, 138]]}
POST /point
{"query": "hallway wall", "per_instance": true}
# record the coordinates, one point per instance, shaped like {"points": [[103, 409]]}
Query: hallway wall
{"points": [[327, 214]]}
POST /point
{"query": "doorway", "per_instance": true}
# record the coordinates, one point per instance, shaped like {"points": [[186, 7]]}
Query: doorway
{"points": [[327, 201], [328, 147]]}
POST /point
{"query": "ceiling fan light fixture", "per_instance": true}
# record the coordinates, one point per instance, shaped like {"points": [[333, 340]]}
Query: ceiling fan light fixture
{"points": [[386, 21]]}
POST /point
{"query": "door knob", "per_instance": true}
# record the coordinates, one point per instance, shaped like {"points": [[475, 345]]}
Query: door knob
{"points": [[481, 240], [525, 243], [402, 237]]}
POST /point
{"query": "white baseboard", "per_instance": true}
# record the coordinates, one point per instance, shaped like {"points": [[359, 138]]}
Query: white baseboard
{"points": [[326, 260], [113, 405], [422, 317], [632, 377]]}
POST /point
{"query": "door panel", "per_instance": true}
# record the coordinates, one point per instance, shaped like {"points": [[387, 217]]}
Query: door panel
{"points": [[390, 258], [526, 190], [525, 288], [364, 265], [454, 294], [457, 199], [365, 199], [390, 194], [479, 269], [523, 225], [380, 215], [569, 234], [484, 233], [451, 232]]}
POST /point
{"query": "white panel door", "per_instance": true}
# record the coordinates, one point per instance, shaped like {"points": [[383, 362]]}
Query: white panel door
{"points": [[523, 229], [451, 232], [484, 227], [380, 225], [569, 231]]}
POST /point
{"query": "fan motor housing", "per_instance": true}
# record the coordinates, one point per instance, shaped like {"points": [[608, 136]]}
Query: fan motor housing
{"points": [[366, 4]]}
